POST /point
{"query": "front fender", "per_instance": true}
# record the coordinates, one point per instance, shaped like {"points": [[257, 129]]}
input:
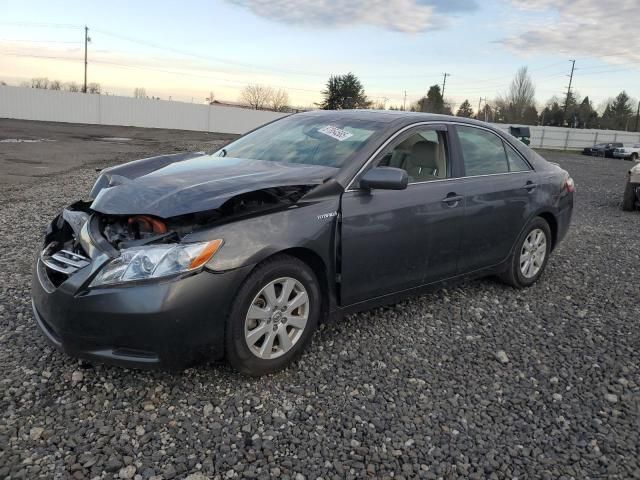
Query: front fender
{"points": [[307, 225]]}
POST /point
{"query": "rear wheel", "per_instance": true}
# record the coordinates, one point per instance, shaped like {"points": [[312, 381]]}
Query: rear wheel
{"points": [[629, 197], [529, 259], [273, 316]]}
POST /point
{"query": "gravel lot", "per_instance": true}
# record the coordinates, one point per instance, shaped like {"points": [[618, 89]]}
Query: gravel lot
{"points": [[478, 381]]}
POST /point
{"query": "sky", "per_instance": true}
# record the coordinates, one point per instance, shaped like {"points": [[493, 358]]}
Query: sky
{"points": [[185, 50]]}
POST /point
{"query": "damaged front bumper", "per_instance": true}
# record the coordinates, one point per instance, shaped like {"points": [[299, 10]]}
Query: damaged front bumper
{"points": [[167, 323]]}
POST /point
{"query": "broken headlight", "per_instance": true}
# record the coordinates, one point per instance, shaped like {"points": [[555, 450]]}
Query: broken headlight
{"points": [[155, 261]]}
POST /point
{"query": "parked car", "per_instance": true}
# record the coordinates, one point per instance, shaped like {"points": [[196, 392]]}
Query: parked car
{"points": [[243, 252], [631, 196], [628, 152], [602, 149]]}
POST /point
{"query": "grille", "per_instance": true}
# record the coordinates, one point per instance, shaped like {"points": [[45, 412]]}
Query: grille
{"points": [[61, 264]]}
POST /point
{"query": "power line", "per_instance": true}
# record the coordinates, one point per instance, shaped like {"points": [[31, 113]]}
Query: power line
{"points": [[41, 24], [13, 40]]}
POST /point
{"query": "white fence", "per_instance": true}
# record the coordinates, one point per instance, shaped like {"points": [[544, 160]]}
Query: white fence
{"points": [[559, 138], [58, 106]]}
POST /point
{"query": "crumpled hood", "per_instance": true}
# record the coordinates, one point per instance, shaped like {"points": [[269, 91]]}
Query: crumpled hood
{"points": [[172, 185]]}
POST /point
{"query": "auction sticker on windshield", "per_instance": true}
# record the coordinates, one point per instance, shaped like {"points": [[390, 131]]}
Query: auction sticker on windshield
{"points": [[335, 132]]}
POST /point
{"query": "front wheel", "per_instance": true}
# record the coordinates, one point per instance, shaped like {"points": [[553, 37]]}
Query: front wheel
{"points": [[634, 157], [273, 316], [529, 259]]}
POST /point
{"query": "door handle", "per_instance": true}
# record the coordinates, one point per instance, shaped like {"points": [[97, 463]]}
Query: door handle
{"points": [[452, 200], [530, 186]]}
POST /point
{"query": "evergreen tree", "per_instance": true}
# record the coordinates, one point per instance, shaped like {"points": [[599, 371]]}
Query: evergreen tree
{"points": [[465, 110], [587, 116], [344, 92], [433, 102]]}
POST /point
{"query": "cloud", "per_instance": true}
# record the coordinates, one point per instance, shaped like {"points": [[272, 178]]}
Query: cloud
{"points": [[595, 28], [408, 16]]}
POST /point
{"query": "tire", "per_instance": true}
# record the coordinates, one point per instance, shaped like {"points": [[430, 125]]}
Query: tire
{"points": [[514, 274], [634, 157], [629, 197], [297, 324]]}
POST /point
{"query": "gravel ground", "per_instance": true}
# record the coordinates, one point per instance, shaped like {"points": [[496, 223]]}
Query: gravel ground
{"points": [[477, 381]]}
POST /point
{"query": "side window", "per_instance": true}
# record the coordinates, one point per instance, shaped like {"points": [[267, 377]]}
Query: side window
{"points": [[516, 162], [483, 152], [423, 155]]}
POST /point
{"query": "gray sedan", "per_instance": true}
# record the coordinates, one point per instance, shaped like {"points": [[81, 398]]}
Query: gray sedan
{"points": [[241, 253]]}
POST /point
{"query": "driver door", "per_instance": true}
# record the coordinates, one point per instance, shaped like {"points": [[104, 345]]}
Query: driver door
{"points": [[394, 240]]}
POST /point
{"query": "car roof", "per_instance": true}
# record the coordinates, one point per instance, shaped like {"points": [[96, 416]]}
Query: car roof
{"points": [[393, 116]]}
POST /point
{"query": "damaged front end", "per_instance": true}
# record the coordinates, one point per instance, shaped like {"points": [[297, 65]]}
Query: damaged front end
{"points": [[123, 231], [65, 252], [144, 247]]}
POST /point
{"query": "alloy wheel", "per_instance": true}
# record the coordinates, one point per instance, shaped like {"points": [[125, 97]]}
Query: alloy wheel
{"points": [[533, 253], [276, 318]]}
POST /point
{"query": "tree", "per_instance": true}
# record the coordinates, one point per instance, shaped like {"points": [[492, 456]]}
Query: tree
{"points": [[570, 107], [71, 87], [515, 105], [618, 112], [432, 103], [553, 114], [55, 85], [256, 96], [40, 82], [94, 88], [279, 101], [139, 92], [211, 98], [587, 116], [465, 110], [344, 92]]}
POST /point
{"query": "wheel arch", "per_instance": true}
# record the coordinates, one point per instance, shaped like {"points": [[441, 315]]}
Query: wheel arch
{"points": [[552, 221], [314, 261]]}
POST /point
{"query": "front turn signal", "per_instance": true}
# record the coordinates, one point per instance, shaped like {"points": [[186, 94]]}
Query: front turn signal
{"points": [[206, 253]]}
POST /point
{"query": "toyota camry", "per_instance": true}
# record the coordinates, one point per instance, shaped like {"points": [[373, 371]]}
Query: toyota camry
{"points": [[243, 252]]}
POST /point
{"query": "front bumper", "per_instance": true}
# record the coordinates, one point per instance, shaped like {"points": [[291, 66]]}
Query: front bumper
{"points": [[621, 155], [169, 323]]}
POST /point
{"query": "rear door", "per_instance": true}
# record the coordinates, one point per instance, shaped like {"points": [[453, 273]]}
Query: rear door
{"points": [[393, 240], [499, 186]]}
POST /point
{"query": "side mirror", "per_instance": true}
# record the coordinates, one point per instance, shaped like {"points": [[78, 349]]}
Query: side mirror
{"points": [[385, 178]]}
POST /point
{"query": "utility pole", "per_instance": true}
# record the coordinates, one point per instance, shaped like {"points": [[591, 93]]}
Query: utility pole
{"points": [[444, 83], [86, 41], [404, 103], [566, 102], [485, 109], [637, 117]]}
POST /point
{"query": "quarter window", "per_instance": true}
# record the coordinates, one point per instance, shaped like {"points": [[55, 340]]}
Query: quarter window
{"points": [[483, 152], [423, 155], [516, 162]]}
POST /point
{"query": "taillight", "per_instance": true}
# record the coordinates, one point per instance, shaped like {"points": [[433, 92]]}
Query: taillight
{"points": [[569, 184]]}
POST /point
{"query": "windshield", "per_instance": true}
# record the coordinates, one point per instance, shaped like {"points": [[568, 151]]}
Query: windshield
{"points": [[329, 141]]}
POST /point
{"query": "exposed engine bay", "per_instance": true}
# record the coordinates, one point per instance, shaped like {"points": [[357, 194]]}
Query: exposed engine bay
{"points": [[123, 231]]}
